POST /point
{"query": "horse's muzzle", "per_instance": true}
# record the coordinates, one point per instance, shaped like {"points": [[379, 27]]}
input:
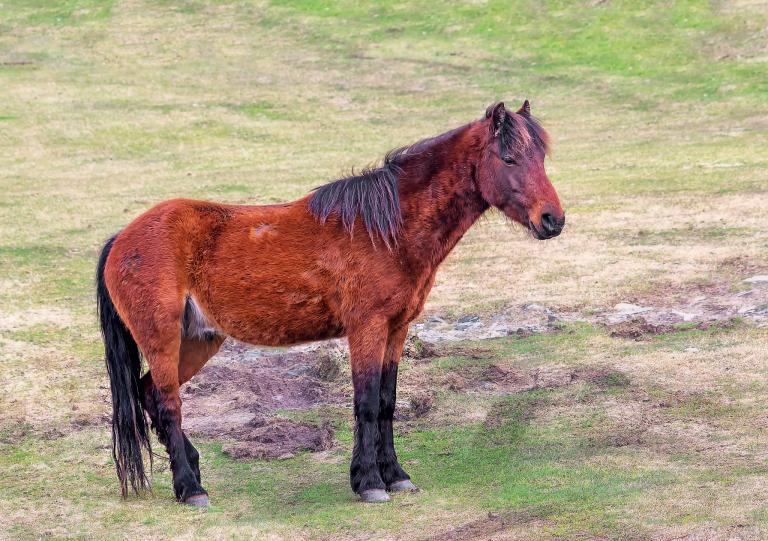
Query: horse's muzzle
{"points": [[549, 226]]}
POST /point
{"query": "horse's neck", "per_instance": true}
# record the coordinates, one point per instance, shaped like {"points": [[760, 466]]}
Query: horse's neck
{"points": [[440, 205]]}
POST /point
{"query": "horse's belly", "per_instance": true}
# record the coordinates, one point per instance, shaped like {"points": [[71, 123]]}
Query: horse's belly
{"points": [[282, 331], [272, 313]]}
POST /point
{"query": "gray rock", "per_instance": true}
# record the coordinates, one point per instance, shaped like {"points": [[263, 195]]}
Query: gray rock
{"points": [[684, 316], [628, 309], [298, 371], [757, 279]]}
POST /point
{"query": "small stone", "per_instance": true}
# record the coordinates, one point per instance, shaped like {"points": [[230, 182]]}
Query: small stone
{"points": [[691, 350], [757, 279], [471, 318], [630, 309], [533, 307], [685, 316], [298, 371]]}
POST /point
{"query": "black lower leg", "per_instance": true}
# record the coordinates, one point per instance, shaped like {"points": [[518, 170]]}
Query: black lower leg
{"points": [[389, 467], [185, 482], [149, 401], [165, 413], [193, 457], [364, 471]]}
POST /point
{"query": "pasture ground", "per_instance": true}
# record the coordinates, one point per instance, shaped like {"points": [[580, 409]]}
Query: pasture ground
{"points": [[659, 113]]}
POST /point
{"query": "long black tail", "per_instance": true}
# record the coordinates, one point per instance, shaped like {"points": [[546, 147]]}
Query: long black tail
{"points": [[130, 430]]}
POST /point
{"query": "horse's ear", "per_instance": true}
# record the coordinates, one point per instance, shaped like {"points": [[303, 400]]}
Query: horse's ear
{"points": [[525, 110], [497, 113]]}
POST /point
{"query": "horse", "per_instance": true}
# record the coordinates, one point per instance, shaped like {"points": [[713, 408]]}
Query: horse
{"points": [[355, 258]]}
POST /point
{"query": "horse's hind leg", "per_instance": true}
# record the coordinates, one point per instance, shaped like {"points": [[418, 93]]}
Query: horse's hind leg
{"points": [[162, 401], [193, 354]]}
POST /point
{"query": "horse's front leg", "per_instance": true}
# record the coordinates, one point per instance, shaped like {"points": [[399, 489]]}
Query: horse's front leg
{"points": [[367, 345], [390, 470]]}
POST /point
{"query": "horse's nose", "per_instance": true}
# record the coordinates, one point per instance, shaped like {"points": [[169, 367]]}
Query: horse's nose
{"points": [[551, 225]]}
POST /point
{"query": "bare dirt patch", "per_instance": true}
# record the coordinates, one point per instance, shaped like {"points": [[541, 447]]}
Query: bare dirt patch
{"points": [[239, 400], [277, 438], [638, 329]]}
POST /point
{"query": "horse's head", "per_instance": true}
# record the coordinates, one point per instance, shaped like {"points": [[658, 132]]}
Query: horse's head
{"points": [[511, 173]]}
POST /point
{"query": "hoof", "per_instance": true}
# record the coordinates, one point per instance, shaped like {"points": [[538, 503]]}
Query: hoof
{"points": [[198, 500], [403, 486], [374, 495]]}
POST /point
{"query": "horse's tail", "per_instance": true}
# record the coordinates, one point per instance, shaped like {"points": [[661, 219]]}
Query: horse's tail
{"points": [[130, 430]]}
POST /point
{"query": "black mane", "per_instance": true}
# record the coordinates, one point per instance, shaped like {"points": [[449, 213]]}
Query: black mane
{"points": [[373, 195]]}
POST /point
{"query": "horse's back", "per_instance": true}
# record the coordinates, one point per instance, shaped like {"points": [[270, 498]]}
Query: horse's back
{"points": [[157, 256]]}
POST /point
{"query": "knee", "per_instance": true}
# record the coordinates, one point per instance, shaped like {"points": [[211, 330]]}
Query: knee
{"points": [[168, 411], [367, 406], [367, 399], [386, 407], [367, 411]]}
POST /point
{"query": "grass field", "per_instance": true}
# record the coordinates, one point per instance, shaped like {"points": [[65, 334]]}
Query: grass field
{"points": [[659, 112]]}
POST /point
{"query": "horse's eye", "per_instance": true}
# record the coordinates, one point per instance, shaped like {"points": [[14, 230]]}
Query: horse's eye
{"points": [[509, 160]]}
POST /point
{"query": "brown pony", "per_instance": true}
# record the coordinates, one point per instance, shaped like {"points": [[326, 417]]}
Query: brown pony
{"points": [[355, 258]]}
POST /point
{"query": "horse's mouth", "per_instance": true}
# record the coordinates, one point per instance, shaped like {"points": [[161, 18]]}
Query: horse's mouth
{"points": [[542, 233]]}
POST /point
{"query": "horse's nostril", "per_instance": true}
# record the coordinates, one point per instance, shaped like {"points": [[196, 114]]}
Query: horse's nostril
{"points": [[548, 222]]}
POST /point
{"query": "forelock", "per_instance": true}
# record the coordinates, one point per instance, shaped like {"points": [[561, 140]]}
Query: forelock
{"points": [[521, 134]]}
